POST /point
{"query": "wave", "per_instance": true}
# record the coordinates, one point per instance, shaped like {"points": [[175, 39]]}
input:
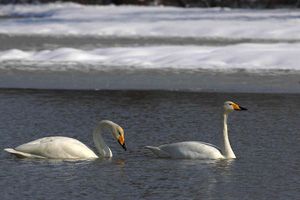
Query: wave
{"points": [[136, 21], [248, 57]]}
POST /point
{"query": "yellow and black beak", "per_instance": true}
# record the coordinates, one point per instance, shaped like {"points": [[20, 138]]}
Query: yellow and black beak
{"points": [[121, 141], [238, 108]]}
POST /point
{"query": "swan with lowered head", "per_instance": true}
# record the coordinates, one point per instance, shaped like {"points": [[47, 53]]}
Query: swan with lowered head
{"points": [[200, 150], [58, 147]]}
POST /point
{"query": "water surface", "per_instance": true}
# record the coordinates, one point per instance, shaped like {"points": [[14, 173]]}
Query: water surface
{"points": [[265, 140]]}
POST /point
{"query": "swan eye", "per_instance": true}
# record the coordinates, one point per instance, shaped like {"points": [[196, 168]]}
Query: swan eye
{"points": [[120, 131]]}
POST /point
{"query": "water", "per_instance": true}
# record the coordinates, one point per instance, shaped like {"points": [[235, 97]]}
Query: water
{"points": [[265, 140]]}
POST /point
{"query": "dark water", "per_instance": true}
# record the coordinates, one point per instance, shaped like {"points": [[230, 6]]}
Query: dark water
{"points": [[265, 140]]}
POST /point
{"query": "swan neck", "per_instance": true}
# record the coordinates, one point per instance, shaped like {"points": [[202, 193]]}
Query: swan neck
{"points": [[99, 142], [227, 151]]}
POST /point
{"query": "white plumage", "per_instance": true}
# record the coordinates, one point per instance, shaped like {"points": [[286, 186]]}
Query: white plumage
{"points": [[199, 150], [59, 147], [187, 150]]}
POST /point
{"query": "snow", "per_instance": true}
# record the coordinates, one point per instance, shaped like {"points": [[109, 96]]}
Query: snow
{"points": [[250, 57], [135, 21], [68, 19]]}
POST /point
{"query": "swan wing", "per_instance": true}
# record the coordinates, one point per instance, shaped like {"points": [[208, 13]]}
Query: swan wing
{"points": [[158, 152], [20, 154], [54, 147], [187, 150]]}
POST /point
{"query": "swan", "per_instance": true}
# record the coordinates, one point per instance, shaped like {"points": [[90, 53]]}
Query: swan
{"points": [[200, 150], [59, 147]]}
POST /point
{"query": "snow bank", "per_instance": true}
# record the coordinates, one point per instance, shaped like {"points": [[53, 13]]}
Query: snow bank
{"points": [[249, 57], [131, 21]]}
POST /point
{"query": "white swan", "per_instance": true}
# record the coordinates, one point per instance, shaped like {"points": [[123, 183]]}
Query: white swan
{"points": [[200, 150], [59, 147]]}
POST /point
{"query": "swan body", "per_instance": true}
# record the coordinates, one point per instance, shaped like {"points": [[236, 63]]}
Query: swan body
{"points": [[200, 150], [187, 150], [59, 147]]}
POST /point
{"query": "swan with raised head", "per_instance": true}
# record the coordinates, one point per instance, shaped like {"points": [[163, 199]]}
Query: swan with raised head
{"points": [[59, 147], [200, 150]]}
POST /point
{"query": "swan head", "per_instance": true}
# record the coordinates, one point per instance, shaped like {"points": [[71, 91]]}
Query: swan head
{"points": [[230, 106], [118, 133], [116, 130]]}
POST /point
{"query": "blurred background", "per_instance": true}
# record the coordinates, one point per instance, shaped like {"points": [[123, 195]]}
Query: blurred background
{"points": [[180, 3]]}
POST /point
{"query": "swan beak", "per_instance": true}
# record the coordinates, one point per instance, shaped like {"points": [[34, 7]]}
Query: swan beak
{"points": [[242, 108], [124, 147], [238, 108], [121, 141]]}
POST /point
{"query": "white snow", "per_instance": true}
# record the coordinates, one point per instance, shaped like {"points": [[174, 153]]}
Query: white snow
{"points": [[250, 57], [65, 19], [136, 21]]}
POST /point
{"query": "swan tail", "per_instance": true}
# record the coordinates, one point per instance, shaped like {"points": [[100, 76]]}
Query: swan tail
{"points": [[158, 152], [20, 154]]}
